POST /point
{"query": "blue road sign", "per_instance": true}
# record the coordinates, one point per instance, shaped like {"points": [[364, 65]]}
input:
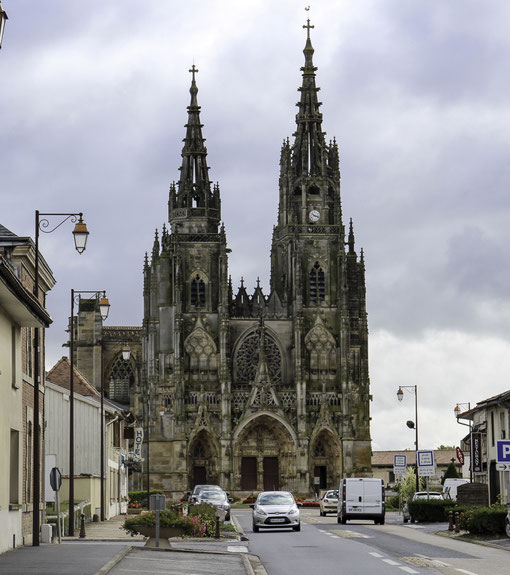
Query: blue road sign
{"points": [[503, 451], [400, 461]]}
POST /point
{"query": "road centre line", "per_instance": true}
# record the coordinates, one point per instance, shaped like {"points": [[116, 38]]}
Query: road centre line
{"points": [[409, 570], [374, 554], [466, 572]]}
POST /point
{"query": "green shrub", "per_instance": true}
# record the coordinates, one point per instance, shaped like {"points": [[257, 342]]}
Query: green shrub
{"points": [[484, 520], [192, 526], [207, 514], [392, 502], [140, 496], [430, 509]]}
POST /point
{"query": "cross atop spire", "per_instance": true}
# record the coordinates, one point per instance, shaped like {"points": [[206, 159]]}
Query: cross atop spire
{"points": [[194, 70], [308, 26]]}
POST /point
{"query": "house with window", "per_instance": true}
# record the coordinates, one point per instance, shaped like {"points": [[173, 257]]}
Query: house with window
{"points": [[87, 440], [490, 422], [20, 312]]}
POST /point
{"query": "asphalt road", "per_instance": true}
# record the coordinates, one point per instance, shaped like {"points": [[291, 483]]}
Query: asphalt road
{"points": [[325, 547]]}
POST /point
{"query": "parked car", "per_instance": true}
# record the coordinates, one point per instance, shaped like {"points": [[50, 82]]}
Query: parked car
{"points": [[361, 498], [507, 522], [328, 503], [275, 509], [216, 498], [192, 497], [419, 495]]}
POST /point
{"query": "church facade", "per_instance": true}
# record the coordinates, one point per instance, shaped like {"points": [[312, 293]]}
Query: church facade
{"points": [[247, 390]]}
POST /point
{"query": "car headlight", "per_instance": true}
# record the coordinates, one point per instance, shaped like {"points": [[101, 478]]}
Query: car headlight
{"points": [[294, 511], [260, 512]]}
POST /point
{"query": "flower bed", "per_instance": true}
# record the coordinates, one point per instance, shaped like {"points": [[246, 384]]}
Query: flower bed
{"points": [[191, 526]]}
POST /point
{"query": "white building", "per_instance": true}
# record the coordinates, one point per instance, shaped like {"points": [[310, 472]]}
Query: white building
{"points": [[87, 441]]}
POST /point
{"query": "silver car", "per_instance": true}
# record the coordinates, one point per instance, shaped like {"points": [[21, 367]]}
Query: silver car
{"points": [[193, 496], [274, 509], [218, 499]]}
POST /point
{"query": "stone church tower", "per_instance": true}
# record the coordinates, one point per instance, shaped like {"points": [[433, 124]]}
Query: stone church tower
{"points": [[252, 391]]}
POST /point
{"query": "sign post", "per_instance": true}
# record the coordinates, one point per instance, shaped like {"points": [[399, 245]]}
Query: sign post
{"points": [[157, 503], [56, 482]]}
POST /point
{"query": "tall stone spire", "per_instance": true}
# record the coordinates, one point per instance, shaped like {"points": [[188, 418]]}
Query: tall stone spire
{"points": [[309, 143], [193, 204]]}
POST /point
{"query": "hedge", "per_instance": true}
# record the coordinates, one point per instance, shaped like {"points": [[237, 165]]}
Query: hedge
{"points": [[484, 520], [430, 509], [139, 496]]}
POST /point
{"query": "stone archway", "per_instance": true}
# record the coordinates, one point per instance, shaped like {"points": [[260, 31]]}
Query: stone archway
{"points": [[264, 455], [203, 456], [325, 461]]}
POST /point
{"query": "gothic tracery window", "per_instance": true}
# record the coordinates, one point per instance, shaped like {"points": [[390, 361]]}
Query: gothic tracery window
{"points": [[247, 358], [317, 282], [320, 450], [121, 378], [197, 291]]}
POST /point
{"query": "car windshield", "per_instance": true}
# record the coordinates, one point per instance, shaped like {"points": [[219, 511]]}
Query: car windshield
{"points": [[216, 495], [276, 499], [431, 495], [330, 494], [199, 488]]}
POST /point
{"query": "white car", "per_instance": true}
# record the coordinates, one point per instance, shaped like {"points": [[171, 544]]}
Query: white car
{"points": [[274, 509], [419, 495], [328, 502]]}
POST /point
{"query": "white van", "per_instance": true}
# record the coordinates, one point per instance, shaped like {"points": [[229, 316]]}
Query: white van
{"points": [[361, 498], [450, 487]]}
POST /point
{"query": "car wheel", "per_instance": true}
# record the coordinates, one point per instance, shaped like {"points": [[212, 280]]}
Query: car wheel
{"points": [[411, 519], [297, 527], [381, 521], [321, 513], [227, 517], [406, 519], [255, 528], [338, 520], [507, 528]]}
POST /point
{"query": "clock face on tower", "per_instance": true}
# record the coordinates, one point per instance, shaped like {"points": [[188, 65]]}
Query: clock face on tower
{"points": [[314, 216]]}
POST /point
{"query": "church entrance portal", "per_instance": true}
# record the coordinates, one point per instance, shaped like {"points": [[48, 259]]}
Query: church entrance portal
{"points": [[263, 453]]}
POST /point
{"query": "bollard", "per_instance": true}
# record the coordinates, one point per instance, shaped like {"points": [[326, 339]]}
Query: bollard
{"points": [[82, 526], [217, 534], [457, 528], [450, 521]]}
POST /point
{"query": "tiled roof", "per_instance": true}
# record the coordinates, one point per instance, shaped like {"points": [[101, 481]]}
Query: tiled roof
{"points": [[5, 232], [385, 458], [59, 375]]}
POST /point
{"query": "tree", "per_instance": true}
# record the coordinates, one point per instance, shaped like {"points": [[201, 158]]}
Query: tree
{"points": [[451, 471], [446, 448]]}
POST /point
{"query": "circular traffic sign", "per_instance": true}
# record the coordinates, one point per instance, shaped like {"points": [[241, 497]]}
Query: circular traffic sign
{"points": [[460, 455]]}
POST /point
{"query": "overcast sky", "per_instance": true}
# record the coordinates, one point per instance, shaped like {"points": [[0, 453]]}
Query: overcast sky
{"points": [[93, 105]]}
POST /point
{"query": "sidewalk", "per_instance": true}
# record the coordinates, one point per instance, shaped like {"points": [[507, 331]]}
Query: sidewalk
{"points": [[108, 549]]}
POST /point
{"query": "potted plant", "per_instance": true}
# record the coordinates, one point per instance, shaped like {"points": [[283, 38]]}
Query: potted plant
{"points": [[171, 524]]}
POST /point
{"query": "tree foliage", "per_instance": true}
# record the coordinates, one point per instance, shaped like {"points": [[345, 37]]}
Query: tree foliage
{"points": [[451, 471]]}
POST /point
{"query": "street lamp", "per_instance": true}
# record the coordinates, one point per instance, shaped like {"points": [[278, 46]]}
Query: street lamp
{"points": [[458, 409], [104, 309], [80, 234], [3, 20], [412, 424], [126, 352]]}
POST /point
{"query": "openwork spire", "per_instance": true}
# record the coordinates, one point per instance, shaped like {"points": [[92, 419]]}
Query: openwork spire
{"points": [[309, 145], [193, 198]]}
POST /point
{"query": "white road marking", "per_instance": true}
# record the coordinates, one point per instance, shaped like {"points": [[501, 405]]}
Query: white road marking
{"points": [[408, 570], [415, 527], [237, 549], [374, 554], [466, 572], [391, 562], [334, 537]]}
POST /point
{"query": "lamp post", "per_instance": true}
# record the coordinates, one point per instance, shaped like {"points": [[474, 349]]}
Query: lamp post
{"points": [[104, 309], [412, 424], [80, 234], [3, 20], [458, 409]]}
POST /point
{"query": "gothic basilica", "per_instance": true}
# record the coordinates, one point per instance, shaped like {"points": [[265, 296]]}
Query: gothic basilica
{"points": [[247, 390]]}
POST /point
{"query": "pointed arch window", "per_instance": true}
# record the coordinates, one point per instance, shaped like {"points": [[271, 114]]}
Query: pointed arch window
{"points": [[317, 283], [197, 291], [121, 379]]}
